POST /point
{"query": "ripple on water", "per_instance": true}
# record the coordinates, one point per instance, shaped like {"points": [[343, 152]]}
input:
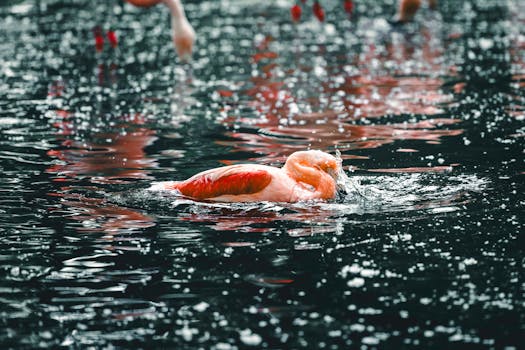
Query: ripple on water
{"points": [[430, 193]]}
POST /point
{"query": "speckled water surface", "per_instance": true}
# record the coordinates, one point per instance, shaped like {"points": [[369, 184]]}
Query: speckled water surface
{"points": [[424, 249]]}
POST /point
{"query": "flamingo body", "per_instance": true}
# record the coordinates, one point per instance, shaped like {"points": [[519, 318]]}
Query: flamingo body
{"points": [[306, 175], [233, 181]]}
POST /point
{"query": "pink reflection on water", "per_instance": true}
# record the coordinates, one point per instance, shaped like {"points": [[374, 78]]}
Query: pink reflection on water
{"points": [[346, 102], [98, 215], [106, 157], [113, 155], [375, 96], [317, 133], [269, 281], [310, 220]]}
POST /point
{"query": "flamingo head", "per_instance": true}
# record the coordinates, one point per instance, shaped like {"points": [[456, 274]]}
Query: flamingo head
{"points": [[183, 39]]}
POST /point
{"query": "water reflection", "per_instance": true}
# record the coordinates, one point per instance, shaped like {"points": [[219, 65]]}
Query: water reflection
{"points": [[107, 157], [258, 218], [93, 150], [96, 149], [397, 76], [428, 243]]}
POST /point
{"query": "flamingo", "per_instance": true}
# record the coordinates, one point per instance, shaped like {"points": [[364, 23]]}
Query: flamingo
{"points": [[306, 175], [183, 33]]}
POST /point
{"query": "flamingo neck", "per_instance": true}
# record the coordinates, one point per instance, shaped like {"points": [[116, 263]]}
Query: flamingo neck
{"points": [[302, 173], [176, 9], [319, 180], [182, 32]]}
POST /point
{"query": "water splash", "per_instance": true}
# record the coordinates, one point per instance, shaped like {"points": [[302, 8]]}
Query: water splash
{"points": [[344, 182], [435, 193]]}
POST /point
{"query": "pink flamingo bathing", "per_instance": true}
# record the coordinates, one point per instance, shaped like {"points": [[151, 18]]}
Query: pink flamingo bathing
{"points": [[306, 175], [183, 33]]}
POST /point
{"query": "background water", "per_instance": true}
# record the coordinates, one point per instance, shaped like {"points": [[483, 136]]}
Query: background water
{"points": [[424, 251]]}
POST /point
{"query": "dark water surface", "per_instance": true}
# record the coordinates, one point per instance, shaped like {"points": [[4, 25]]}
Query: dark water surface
{"points": [[425, 250]]}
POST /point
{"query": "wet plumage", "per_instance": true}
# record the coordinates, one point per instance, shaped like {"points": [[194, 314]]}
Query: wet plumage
{"points": [[306, 175]]}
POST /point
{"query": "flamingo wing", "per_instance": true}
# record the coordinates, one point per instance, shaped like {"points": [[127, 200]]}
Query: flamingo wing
{"points": [[230, 180]]}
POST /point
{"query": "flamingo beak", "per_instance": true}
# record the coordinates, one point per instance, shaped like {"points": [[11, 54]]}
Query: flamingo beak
{"points": [[334, 172]]}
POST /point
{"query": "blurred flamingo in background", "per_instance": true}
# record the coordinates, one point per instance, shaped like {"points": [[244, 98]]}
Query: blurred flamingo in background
{"points": [[306, 175], [407, 9], [183, 33]]}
